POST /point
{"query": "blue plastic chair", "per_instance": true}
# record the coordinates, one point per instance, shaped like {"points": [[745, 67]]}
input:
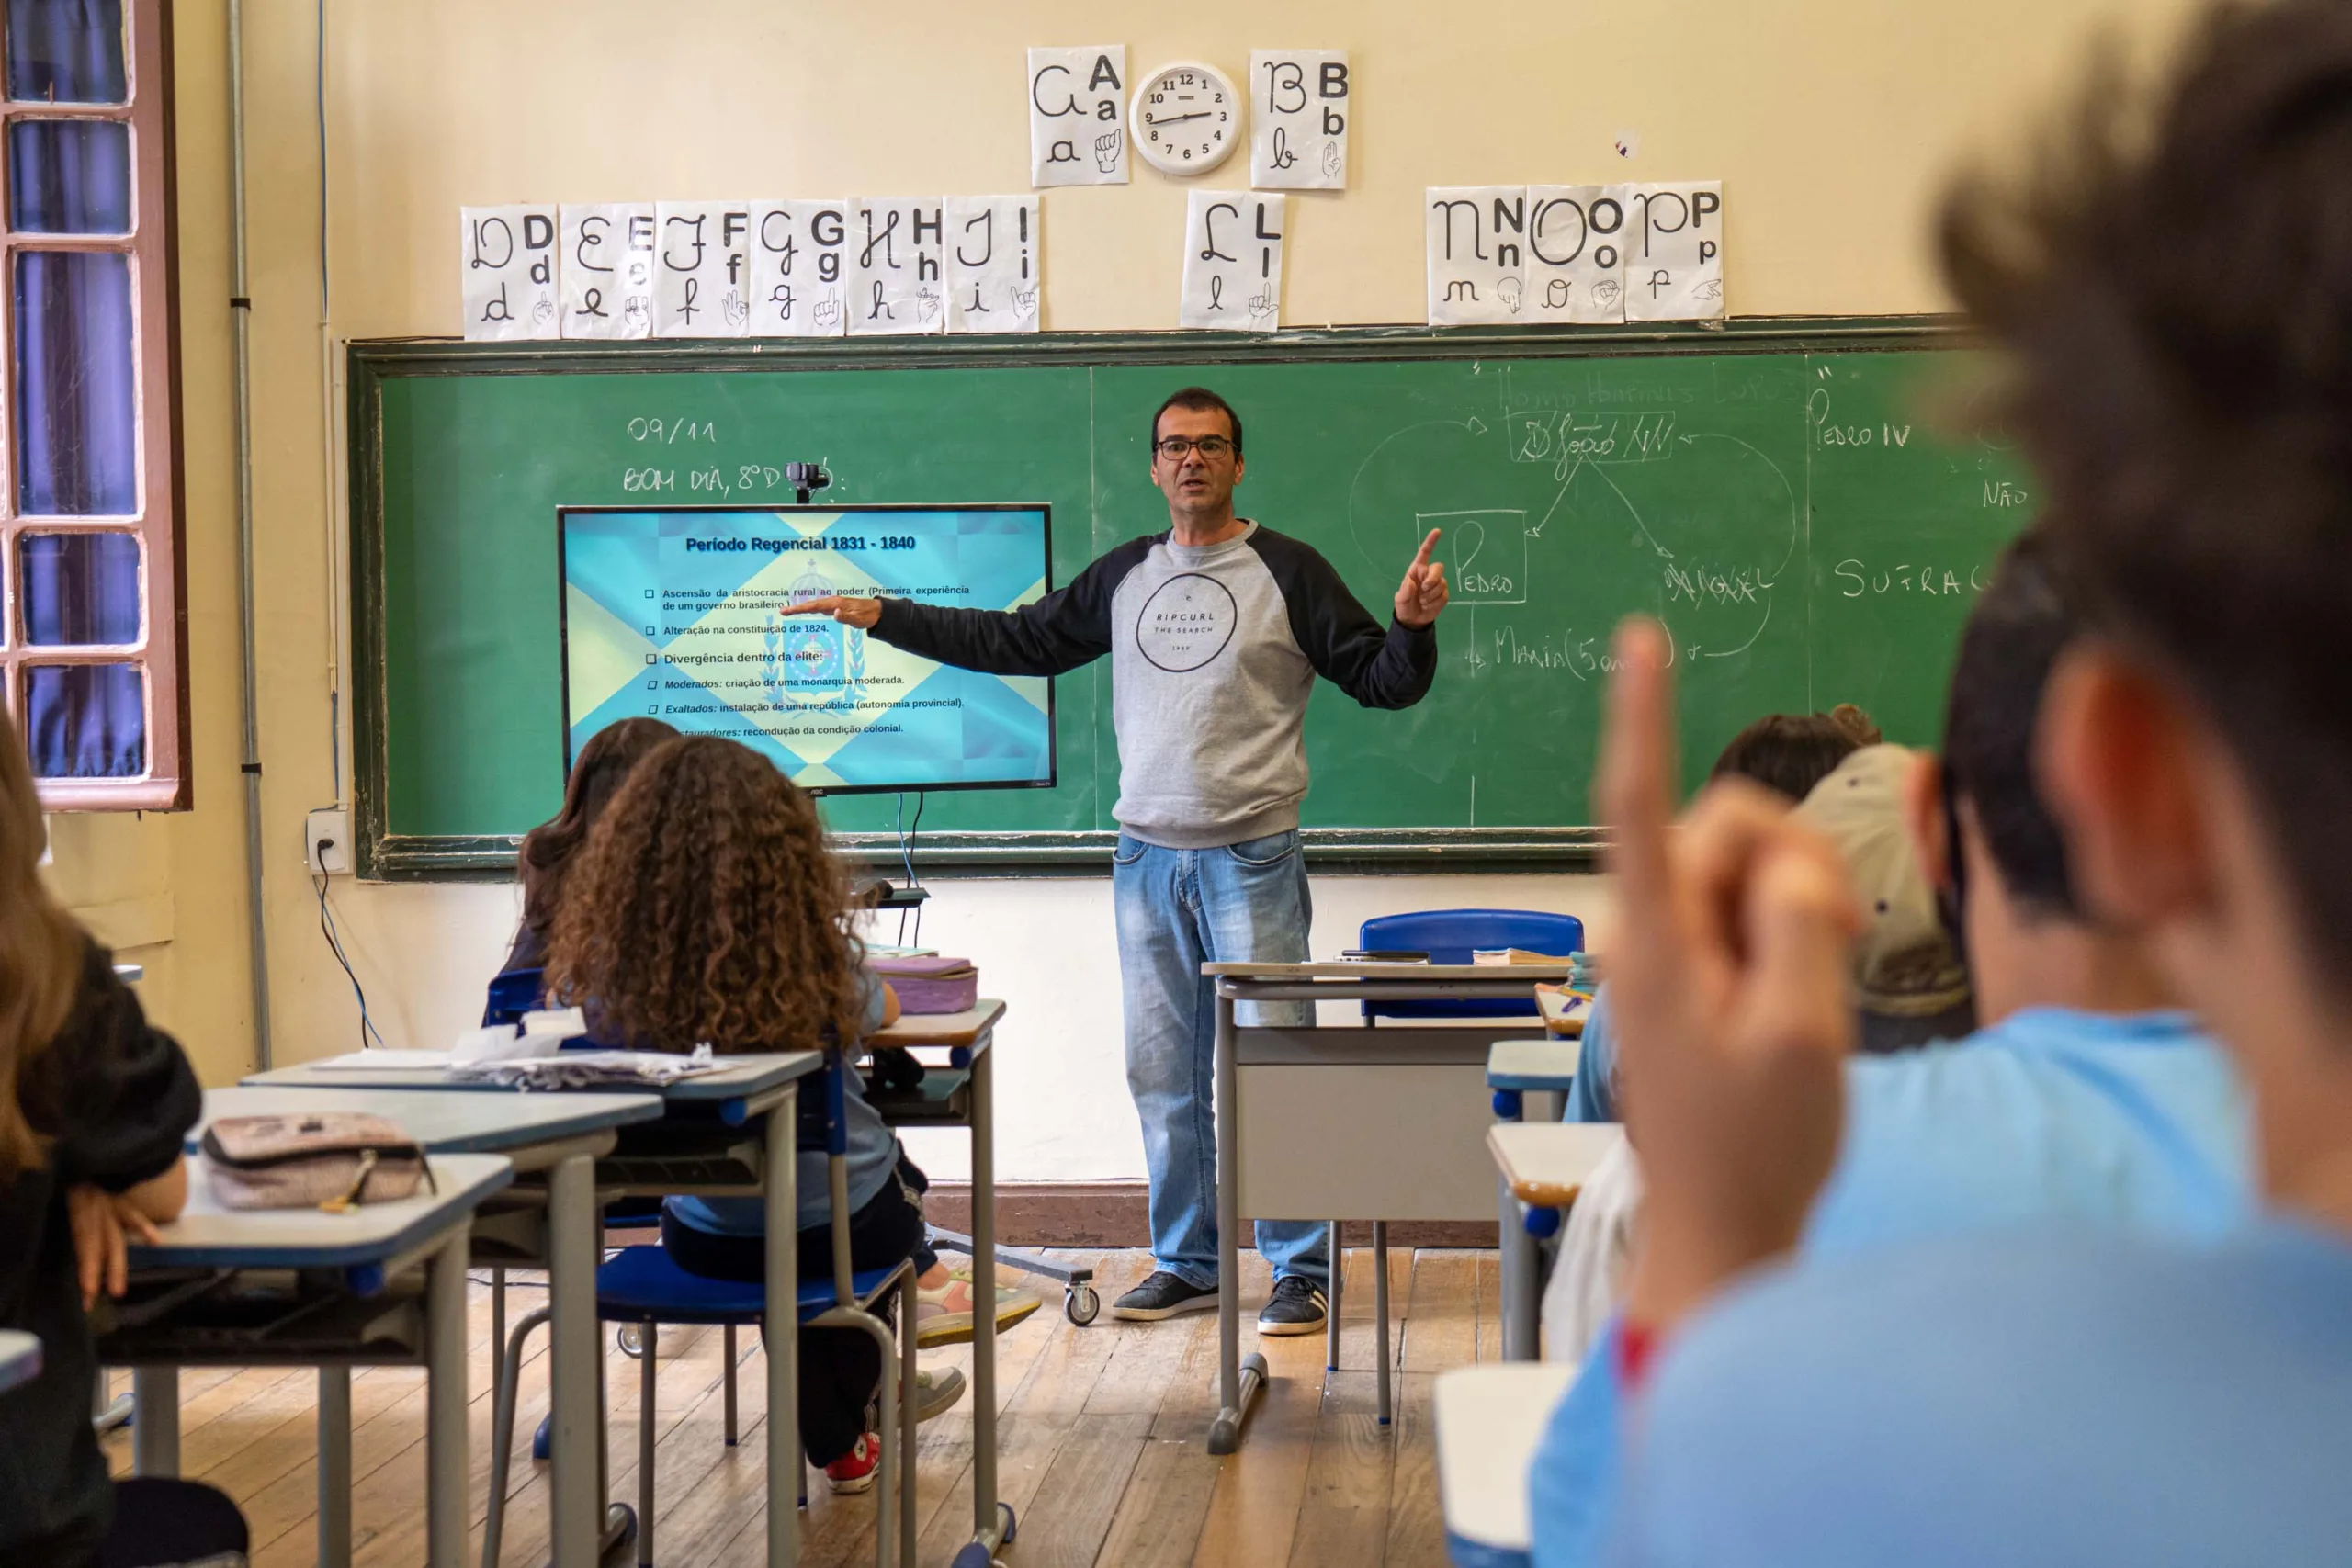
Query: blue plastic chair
{"points": [[513, 993], [1450, 936], [644, 1286]]}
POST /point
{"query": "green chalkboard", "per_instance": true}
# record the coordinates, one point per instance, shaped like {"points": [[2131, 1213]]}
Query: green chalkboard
{"points": [[1808, 506]]}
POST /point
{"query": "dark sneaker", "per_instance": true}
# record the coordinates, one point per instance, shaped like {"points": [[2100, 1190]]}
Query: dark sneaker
{"points": [[1163, 1295], [1296, 1307]]}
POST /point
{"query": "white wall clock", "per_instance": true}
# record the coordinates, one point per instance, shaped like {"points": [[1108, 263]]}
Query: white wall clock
{"points": [[1186, 117]]}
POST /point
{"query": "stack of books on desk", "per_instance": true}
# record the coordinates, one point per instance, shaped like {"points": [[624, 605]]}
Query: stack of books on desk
{"points": [[1485, 956]]}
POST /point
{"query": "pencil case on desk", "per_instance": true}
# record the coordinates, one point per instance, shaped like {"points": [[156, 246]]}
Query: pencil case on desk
{"points": [[331, 1159], [931, 985]]}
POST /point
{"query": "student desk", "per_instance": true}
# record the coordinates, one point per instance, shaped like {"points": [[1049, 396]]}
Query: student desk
{"points": [[1515, 1070], [1541, 1165], [560, 1135], [358, 1321], [1346, 1123], [726, 1132], [964, 1095], [19, 1357], [1489, 1419]]}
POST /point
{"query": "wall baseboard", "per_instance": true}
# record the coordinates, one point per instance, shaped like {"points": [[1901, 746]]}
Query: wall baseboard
{"points": [[1116, 1214]]}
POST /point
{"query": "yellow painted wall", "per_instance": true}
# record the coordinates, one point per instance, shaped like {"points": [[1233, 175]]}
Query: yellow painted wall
{"points": [[1831, 123]]}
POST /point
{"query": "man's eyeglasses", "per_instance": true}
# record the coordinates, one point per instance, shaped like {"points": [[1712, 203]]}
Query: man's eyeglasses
{"points": [[1175, 447]]}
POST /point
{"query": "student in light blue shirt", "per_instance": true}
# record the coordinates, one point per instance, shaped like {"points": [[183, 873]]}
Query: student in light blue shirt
{"points": [[2085, 1105], [2078, 1399]]}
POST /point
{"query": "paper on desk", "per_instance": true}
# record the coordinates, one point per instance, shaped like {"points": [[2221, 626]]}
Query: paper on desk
{"points": [[588, 1069], [377, 1058]]}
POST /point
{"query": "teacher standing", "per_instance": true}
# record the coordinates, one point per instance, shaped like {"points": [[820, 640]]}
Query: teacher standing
{"points": [[1216, 630]]}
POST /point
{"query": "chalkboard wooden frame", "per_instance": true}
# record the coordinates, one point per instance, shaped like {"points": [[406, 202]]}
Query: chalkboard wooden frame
{"points": [[385, 855]]}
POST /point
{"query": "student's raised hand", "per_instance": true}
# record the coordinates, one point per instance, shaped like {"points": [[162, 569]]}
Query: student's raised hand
{"points": [[1422, 593], [100, 1250], [1727, 987], [849, 610]]}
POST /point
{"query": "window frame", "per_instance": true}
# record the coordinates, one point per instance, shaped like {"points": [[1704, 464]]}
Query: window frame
{"points": [[152, 249]]}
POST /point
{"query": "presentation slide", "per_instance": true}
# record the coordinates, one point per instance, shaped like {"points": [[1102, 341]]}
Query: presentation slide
{"points": [[679, 614]]}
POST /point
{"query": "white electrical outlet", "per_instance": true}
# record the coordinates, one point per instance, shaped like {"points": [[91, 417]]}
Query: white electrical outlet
{"points": [[326, 842]]}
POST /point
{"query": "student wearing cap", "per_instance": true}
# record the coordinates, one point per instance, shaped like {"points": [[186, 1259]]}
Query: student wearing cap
{"points": [[2086, 1101], [1904, 1000]]}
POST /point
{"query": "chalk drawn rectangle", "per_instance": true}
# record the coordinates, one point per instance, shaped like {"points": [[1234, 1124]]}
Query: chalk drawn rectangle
{"points": [[1486, 550]]}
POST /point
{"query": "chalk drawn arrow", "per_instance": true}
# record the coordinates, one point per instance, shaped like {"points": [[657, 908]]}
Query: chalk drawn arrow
{"points": [[1473, 424]]}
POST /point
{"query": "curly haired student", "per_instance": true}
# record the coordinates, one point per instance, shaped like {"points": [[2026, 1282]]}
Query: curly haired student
{"points": [[705, 907]]}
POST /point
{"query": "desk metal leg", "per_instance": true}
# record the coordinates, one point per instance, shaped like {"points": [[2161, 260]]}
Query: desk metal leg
{"points": [[1238, 1381], [780, 1153], [335, 1467], [445, 1404], [576, 1411], [1331, 1302], [1520, 1271], [1380, 1310], [987, 1529], [155, 1428]]}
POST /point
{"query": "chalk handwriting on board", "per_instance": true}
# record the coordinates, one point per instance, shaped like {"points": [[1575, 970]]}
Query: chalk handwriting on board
{"points": [[897, 273], [993, 254], [1233, 261], [507, 262], [702, 268], [607, 269], [799, 271], [1299, 113], [1476, 242], [1077, 119], [1674, 257]]}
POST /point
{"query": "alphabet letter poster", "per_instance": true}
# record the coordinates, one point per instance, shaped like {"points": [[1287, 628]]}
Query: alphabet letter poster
{"points": [[1299, 110], [799, 279], [1078, 118], [607, 269], [1477, 255], [508, 255], [1674, 261], [1576, 253], [702, 268], [1233, 261], [992, 256], [897, 279]]}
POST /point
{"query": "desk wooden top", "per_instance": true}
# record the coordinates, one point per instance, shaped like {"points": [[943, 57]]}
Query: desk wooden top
{"points": [[1489, 1419], [442, 1123], [965, 1028], [207, 1236], [19, 1357], [1503, 973], [1547, 1162]]}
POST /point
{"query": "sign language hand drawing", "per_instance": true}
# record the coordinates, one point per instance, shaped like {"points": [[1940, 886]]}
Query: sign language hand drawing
{"points": [[1106, 151]]}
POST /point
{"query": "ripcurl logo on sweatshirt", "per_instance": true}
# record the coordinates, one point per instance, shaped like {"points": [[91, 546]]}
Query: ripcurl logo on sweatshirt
{"points": [[1186, 623]]}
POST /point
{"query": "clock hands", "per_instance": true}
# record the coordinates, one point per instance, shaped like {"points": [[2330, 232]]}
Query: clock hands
{"points": [[1176, 119]]}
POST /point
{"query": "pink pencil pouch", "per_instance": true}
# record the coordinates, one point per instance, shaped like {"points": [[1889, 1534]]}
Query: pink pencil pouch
{"points": [[931, 985], [328, 1159]]}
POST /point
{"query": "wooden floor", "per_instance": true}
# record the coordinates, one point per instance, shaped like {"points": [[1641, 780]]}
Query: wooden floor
{"points": [[1101, 1441]]}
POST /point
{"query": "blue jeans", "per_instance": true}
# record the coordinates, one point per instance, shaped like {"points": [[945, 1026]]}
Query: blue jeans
{"points": [[1178, 909]]}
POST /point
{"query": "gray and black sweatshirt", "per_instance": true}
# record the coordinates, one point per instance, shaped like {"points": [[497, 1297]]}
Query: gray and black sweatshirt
{"points": [[1214, 649]]}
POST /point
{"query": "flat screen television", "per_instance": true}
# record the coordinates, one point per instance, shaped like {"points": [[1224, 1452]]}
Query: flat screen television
{"points": [[676, 613]]}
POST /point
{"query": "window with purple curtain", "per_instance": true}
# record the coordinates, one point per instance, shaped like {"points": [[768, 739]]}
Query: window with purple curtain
{"points": [[87, 542]]}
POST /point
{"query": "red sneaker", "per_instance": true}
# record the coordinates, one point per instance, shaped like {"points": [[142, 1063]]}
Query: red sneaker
{"points": [[853, 1471]]}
